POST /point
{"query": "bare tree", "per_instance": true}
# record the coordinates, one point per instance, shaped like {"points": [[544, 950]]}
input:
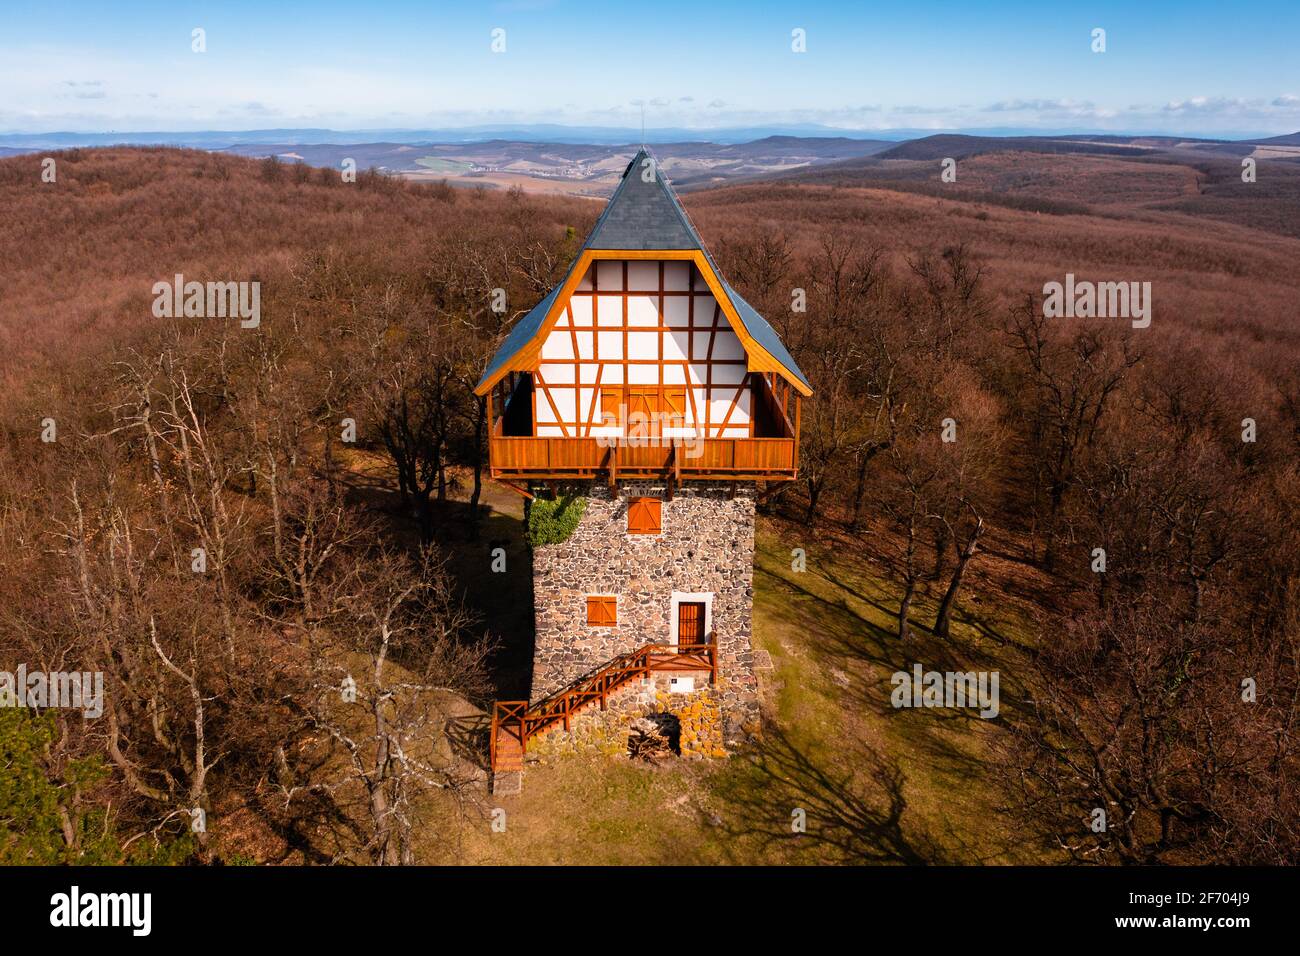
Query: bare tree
{"points": [[1071, 383], [399, 617]]}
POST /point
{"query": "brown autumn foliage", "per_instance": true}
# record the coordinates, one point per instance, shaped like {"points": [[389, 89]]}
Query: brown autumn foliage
{"points": [[921, 323], [1146, 683]]}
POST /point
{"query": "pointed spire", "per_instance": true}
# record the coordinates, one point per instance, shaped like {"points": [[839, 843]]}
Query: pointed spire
{"points": [[644, 212]]}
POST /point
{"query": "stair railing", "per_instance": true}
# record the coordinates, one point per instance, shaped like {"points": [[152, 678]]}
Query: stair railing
{"points": [[518, 719]]}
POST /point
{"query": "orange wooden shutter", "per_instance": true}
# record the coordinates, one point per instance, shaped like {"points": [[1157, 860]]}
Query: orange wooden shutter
{"points": [[643, 401], [675, 404], [642, 411], [602, 611], [644, 516], [610, 399]]}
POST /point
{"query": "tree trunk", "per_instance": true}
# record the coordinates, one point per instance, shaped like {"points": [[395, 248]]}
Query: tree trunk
{"points": [[943, 619], [859, 492], [480, 419], [905, 608], [424, 512], [909, 582], [942, 537], [814, 494]]}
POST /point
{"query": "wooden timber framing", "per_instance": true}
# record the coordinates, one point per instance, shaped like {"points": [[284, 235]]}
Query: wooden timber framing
{"points": [[658, 382], [688, 434], [516, 489], [758, 359]]}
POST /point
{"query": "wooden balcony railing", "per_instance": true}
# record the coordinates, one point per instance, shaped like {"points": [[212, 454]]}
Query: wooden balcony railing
{"points": [[514, 722], [727, 458]]}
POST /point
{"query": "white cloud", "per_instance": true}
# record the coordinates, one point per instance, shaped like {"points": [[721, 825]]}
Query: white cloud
{"points": [[1208, 104]]}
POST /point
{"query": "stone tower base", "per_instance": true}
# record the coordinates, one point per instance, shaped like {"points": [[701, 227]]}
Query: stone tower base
{"points": [[703, 554]]}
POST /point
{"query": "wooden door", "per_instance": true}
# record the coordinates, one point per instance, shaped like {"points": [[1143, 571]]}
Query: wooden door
{"points": [[690, 624]]}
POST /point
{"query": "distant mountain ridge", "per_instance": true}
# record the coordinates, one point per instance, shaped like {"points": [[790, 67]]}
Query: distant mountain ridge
{"points": [[590, 169], [536, 133], [1290, 139], [554, 133]]}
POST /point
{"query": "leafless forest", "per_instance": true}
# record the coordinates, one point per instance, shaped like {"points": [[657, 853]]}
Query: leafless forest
{"points": [[182, 509]]}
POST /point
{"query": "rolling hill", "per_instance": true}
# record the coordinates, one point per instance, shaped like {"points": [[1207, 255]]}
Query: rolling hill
{"points": [[583, 169], [1136, 180], [357, 276]]}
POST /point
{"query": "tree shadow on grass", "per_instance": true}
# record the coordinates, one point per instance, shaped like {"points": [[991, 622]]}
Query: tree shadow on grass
{"points": [[839, 632], [853, 804], [489, 559], [318, 824], [469, 738], [833, 625]]}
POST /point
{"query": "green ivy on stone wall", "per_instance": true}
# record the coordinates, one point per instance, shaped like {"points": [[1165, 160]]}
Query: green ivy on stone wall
{"points": [[553, 521]]}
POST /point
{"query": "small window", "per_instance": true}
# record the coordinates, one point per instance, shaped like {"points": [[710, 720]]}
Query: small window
{"points": [[602, 611], [644, 516]]}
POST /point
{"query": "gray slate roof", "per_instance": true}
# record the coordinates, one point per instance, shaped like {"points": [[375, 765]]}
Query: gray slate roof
{"points": [[643, 215], [763, 333], [522, 333]]}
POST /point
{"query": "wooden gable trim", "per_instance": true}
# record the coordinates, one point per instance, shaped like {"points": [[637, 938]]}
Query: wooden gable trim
{"points": [[759, 359]]}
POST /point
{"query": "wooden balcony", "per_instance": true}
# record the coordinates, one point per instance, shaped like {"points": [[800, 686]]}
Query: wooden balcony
{"points": [[517, 454], [729, 459]]}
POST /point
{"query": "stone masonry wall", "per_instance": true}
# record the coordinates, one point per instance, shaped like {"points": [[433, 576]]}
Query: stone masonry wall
{"points": [[593, 731], [706, 547]]}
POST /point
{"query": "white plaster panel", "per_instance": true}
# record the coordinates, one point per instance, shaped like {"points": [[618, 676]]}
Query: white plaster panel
{"points": [[609, 310], [643, 345], [642, 310], [609, 275], [643, 275], [611, 345], [727, 346], [643, 374], [556, 373], [677, 345], [558, 345], [728, 374], [677, 276], [580, 305], [677, 310]]}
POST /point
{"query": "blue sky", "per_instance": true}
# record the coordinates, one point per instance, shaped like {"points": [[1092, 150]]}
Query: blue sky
{"points": [[1189, 67]]}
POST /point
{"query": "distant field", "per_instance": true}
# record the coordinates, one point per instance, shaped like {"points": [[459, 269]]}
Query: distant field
{"points": [[503, 181], [449, 167], [575, 169]]}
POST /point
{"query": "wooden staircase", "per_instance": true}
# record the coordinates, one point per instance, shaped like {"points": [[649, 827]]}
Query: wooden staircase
{"points": [[514, 722]]}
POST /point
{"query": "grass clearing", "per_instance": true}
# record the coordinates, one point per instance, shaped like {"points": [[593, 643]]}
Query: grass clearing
{"points": [[876, 784]]}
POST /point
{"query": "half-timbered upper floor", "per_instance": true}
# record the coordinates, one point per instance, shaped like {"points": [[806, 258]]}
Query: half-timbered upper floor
{"points": [[643, 362]]}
